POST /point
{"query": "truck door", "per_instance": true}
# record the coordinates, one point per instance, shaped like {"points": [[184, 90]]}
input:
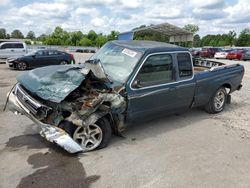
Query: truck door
{"points": [[53, 57], [5, 50], [40, 59], [155, 88], [18, 49], [185, 80]]}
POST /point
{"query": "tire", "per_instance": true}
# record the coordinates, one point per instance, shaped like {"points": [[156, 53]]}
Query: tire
{"points": [[21, 66], [217, 102], [63, 62], [102, 135]]}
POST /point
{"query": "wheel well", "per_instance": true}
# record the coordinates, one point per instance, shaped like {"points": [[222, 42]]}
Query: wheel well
{"points": [[112, 122]]}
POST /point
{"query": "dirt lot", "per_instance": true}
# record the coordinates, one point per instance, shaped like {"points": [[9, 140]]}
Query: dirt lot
{"points": [[194, 149]]}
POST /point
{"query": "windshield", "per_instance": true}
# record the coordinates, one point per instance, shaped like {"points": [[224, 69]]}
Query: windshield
{"points": [[118, 62]]}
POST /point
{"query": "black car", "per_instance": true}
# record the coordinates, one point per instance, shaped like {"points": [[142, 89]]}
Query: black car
{"points": [[40, 58], [246, 56], [85, 51]]}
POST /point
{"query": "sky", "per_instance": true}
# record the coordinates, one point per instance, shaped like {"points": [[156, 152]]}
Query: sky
{"points": [[103, 16]]}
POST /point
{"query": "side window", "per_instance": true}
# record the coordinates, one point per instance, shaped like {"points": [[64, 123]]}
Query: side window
{"points": [[3, 46], [157, 69], [52, 52], [40, 53], [17, 45], [6, 46], [185, 65]]}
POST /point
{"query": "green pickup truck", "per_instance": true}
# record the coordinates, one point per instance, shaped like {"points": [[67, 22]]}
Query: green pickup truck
{"points": [[79, 107]]}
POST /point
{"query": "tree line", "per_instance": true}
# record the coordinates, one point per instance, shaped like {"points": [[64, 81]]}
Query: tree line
{"points": [[62, 37]]}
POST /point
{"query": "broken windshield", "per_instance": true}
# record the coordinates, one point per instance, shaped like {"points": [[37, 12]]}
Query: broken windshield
{"points": [[118, 62]]}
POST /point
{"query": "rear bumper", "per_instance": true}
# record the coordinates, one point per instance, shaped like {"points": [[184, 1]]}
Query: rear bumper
{"points": [[220, 56], [50, 132]]}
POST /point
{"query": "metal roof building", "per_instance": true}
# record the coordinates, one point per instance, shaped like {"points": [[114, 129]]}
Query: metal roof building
{"points": [[175, 34]]}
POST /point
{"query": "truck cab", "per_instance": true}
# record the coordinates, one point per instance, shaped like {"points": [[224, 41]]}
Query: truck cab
{"points": [[12, 49]]}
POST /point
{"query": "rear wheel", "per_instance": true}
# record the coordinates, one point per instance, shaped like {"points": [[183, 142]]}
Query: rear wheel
{"points": [[217, 102], [93, 136], [63, 63], [22, 66]]}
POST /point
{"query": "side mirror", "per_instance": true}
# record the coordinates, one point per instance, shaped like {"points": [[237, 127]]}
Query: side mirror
{"points": [[33, 56], [137, 84]]}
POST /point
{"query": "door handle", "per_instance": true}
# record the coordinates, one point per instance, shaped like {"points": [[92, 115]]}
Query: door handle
{"points": [[12, 50]]}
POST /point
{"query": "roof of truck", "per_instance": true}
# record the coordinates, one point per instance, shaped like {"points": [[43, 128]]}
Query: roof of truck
{"points": [[143, 45]]}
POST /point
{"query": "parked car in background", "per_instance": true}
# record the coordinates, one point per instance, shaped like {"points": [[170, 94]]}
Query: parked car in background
{"points": [[222, 54], [195, 52], [40, 58], [12, 49], [85, 51], [246, 56], [236, 54], [209, 52]]}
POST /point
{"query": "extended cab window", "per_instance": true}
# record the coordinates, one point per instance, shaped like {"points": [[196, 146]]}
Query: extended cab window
{"points": [[157, 69], [185, 65]]}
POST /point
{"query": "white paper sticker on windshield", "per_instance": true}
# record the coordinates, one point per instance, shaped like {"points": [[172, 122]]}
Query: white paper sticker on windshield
{"points": [[129, 52]]}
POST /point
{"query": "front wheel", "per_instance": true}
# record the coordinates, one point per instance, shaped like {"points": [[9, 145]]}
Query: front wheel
{"points": [[94, 136], [217, 102], [22, 66]]}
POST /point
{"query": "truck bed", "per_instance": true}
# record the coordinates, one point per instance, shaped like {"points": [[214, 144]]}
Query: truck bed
{"points": [[210, 75], [201, 65]]}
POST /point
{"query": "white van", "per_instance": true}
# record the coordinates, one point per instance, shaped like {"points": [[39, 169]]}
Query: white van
{"points": [[12, 49]]}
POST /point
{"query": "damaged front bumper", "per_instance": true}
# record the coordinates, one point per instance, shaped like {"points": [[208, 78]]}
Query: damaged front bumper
{"points": [[50, 132]]}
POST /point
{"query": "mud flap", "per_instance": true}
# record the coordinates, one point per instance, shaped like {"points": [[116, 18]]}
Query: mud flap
{"points": [[228, 99]]}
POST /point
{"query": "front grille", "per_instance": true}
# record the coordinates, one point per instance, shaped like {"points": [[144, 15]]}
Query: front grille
{"points": [[36, 108]]}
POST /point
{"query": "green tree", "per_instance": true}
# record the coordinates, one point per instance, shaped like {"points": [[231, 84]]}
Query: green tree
{"points": [[101, 40], [244, 38], [7, 36], [92, 36], [28, 42], [192, 28], [2, 33], [75, 37], [232, 37], [85, 42], [17, 34], [58, 37], [31, 35], [42, 37], [197, 41], [113, 35]]}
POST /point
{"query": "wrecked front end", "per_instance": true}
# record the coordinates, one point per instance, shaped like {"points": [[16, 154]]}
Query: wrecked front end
{"points": [[66, 100]]}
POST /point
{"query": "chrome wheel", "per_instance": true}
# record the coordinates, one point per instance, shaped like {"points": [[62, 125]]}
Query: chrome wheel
{"points": [[219, 100], [22, 66], [89, 137]]}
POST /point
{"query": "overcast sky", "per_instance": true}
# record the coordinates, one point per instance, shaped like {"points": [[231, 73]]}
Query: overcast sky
{"points": [[41, 16]]}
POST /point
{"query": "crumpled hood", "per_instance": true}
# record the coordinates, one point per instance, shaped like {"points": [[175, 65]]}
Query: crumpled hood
{"points": [[53, 83]]}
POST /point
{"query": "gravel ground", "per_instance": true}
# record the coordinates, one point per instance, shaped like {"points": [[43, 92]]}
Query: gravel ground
{"points": [[194, 149]]}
